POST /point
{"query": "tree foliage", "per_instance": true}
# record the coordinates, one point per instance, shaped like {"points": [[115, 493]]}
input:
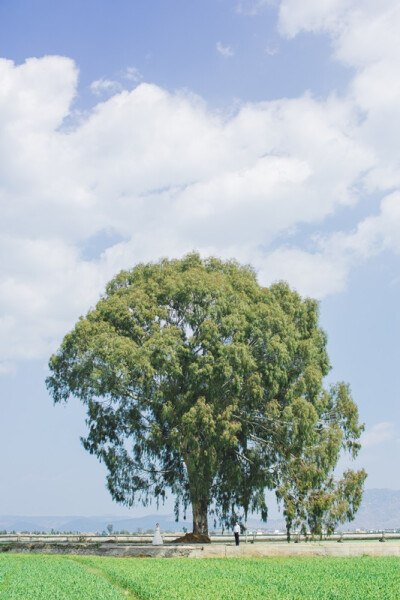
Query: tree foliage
{"points": [[199, 381]]}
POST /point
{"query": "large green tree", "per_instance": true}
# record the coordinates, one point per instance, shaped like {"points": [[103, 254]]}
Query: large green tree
{"points": [[202, 383]]}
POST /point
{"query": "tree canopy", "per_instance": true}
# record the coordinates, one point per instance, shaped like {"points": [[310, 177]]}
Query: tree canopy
{"points": [[201, 383]]}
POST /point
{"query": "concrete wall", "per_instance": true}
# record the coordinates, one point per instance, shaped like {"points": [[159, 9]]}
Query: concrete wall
{"points": [[346, 549], [169, 537]]}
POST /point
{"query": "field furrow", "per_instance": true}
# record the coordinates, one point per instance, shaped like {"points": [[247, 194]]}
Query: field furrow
{"points": [[127, 593], [43, 577]]}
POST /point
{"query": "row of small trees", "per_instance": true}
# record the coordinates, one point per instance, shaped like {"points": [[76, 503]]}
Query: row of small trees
{"points": [[201, 383], [58, 532]]}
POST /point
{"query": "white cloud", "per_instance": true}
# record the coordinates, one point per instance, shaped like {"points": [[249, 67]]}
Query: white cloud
{"points": [[314, 15], [325, 270], [43, 287], [253, 7], [133, 74], [373, 235], [365, 37], [362, 34], [168, 175], [161, 171], [312, 274], [101, 86], [37, 94], [378, 434], [225, 51], [271, 49]]}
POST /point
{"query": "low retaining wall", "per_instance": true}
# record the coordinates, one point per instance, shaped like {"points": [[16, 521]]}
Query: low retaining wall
{"points": [[301, 549], [227, 538], [122, 550], [389, 548]]}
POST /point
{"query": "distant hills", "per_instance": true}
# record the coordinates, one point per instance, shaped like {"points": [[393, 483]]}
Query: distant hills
{"points": [[380, 509], [91, 524]]}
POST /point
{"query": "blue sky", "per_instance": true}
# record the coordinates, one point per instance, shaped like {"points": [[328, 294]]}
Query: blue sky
{"points": [[173, 44], [257, 129]]}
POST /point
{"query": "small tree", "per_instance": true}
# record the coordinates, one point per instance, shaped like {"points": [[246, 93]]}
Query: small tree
{"points": [[312, 499], [110, 528], [321, 509], [198, 380]]}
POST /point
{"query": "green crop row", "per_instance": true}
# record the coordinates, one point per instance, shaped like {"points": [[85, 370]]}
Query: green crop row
{"points": [[96, 578], [39, 577], [239, 579]]}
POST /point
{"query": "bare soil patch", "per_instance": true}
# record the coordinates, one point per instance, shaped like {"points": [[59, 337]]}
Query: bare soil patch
{"points": [[192, 538]]}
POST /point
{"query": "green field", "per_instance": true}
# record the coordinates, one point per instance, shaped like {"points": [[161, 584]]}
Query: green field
{"points": [[41, 577]]}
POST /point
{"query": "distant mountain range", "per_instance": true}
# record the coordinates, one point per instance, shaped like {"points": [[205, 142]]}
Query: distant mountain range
{"points": [[380, 509], [91, 524]]}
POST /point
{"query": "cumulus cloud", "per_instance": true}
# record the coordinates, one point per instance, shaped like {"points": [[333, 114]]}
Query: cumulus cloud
{"points": [[101, 86], [160, 170], [362, 33], [43, 287], [311, 15], [271, 49], [167, 175], [316, 274], [133, 74], [364, 37], [253, 7], [225, 51]]}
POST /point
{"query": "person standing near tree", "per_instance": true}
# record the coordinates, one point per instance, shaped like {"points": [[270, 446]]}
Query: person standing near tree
{"points": [[236, 532]]}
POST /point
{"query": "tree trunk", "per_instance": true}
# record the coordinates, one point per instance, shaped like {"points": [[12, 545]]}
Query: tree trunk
{"points": [[200, 519], [288, 529]]}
